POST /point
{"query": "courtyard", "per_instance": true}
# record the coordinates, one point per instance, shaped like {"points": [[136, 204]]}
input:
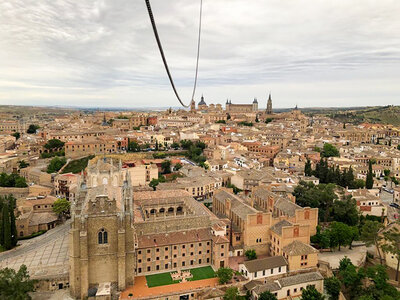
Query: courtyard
{"points": [[166, 278]]}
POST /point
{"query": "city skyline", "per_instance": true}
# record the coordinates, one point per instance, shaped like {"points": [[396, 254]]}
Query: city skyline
{"points": [[98, 54]]}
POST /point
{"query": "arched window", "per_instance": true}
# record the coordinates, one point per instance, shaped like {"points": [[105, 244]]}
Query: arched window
{"points": [[102, 237]]}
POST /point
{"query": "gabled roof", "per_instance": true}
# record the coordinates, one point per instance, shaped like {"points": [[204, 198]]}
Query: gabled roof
{"points": [[277, 228], [265, 263], [297, 248]]}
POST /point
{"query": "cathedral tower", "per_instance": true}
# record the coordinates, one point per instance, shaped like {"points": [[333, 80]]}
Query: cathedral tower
{"points": [[269, 105]]}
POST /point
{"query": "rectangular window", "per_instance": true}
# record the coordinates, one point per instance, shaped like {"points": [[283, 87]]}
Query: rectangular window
{"points": [[140, 270], [272, 271], [288, 293], [208, 259], [280, 269], [139, 261], [148, 269], [183, 264], [157, 267], [191, 262], [166, 266], [255, 274]]}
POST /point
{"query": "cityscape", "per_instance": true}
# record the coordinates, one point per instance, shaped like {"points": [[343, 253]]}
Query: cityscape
{"points": [[109, 195]]}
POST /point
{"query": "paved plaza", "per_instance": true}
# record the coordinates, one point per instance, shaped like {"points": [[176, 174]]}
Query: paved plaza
{"points": [[44, 255]]}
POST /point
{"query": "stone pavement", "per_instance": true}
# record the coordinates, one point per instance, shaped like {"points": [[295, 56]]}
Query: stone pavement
{"points": [[357, 255], [45, 255]]}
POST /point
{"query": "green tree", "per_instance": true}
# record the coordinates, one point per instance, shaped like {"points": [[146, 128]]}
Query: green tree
{"points": [[23, 164], [177, 167], [340, 234], [392, 245], [307, 168], [329, 150], [153, 183], [54, 144], [17, 135], [351, 277], [398, 147], [224, 275], [13, 226], [15, 285], [370, 235], [268, 120], [61, 207], [166, 167], [267, 295], [56, 164], [32, 129], [175, 145], [20, 182], [354, 235], [231, 293], [311, 293], [133, 146], [228, 116], [6, 227], [346, 211], [251, 254], [369, 182], [332, 286]]}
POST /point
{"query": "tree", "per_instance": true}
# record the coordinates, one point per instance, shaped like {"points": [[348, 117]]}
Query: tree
{"points": [[61, 207], [307, 168], [54, 144], [346, 211], [251, 254], [15, 285], [153, 183], [370, 235], [23, 164], [228, 116], [329, 150], [166, 167], [32, 128], [332, 286], [6, 227], [224, 275], [268, 120], [231, 293], [257, 120], [13, 226], [175, 145], [267, 295], [354, 235], [392, 245], [311, 293], [20, 182], [133, 146], [340, 234], [17, 135], [398, 147], [369, 182], [56, 164], [177, 167], [351, 277]]}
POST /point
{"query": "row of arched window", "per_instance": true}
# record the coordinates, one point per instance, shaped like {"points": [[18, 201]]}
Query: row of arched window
{"points": [[102, 237]]}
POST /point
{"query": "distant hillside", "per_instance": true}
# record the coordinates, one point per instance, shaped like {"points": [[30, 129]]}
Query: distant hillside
{"points": [[378, 114]]}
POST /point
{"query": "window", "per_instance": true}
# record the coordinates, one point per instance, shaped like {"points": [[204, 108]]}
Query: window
{"points": [[157, 267], [157, 250], [166, 266], [166, 248], [148, 250], [255, 274], [199, 244], [166, 256], [183, 254], [208, 243], [149, 259], [174, 255], [157, 258], [191, 245], [280, 269], [140, 270], [222, 246], [183, 264], [272, 271], [208, 259], [288, 293], [208, 251], [148, 269], [191, 262], [295, 290], [174, 247], [139, 261], [183, 246], [263, 272], [102, 237], [191, 253], [199, 252]]}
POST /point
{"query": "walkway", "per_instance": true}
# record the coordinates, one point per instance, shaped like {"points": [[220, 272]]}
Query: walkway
{"points": [[44, 255], [140, 290]]}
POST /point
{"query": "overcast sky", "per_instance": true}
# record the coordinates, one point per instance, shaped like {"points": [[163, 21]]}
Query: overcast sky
{"points": [[103, 53]]}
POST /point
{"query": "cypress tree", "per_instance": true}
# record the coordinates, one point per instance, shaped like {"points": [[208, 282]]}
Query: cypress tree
{"points": [[307, 168], [14, 236], [6, 227], [369, 182]]}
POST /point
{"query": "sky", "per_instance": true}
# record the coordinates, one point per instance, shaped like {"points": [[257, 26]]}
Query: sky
{"points": [[102, 53]]}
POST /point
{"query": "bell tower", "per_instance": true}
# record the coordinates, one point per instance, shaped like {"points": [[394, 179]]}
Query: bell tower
{"points": [[269, 105]]}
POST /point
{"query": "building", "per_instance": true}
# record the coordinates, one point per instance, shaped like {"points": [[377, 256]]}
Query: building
{"points": [[117, 235], [241, 108], [268, 111], [262, 268]]}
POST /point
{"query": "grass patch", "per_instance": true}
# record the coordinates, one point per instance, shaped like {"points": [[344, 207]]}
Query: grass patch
{"points": [[77, 166], [166, 279], [202, 273], [159, 279], [35, 234]]}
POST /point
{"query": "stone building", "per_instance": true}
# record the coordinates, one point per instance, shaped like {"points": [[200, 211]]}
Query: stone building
{"points": [[241, 108], [117, 235]]}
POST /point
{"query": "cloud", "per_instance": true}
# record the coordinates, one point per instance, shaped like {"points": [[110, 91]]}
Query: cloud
{"points": [[103, 53]]}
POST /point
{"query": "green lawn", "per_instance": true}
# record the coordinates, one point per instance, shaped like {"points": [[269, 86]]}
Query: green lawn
{"points": [[165, 278], [202, 273]]}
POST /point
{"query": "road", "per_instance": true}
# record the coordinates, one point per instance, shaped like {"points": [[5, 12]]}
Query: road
{"points": [[27, 246], [392, 213]]}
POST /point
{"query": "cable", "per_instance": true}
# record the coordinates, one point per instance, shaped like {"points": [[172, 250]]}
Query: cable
{"points": [[153, 24]]}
